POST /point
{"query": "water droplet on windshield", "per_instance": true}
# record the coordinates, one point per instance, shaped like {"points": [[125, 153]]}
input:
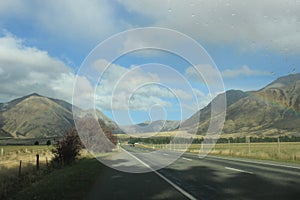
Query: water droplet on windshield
{"points": [[193, 15], [170, 9], [273, 73], [233, 14], [293, 70]]}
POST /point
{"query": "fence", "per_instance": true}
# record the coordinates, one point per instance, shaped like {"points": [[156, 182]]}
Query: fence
{"points": [[284, 151], [21, 165]]}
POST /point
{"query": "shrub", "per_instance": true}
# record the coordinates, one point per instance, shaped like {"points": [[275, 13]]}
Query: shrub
{"points": [[48, 142], [36, 143], [68, 150]]}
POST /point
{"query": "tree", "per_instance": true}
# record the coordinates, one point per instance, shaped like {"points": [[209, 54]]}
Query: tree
{"points": [[96, 136], [48, 142], [68, 150]]}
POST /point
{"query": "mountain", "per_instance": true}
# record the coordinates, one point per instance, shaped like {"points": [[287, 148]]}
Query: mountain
{"points": [[271, 111], [155, 126], [36, 116], [232, 96]]}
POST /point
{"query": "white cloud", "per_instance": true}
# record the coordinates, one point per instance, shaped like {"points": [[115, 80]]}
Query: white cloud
{"points": [[203, 73], [250, 24], [125, 87], [208, 74], [25, 70], [136, 88], [77, 20], [243, 71]]}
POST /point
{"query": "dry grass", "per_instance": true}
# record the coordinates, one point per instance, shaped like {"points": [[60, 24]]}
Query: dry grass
{"points": [[285, 152], [10, 157]]}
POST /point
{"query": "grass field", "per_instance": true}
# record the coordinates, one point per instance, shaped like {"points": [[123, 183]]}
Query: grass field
{"points": [[284, 151], [10, 157]]}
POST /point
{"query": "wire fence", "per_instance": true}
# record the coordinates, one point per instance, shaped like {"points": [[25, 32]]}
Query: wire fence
{"points": [[282, 151], [20, 166]]}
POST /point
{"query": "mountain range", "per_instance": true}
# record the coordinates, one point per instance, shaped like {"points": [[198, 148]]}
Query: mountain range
{"points": [[152, 126], [271, 111]]}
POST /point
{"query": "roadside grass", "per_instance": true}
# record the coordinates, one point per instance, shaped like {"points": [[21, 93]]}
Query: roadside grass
{"points": [[70, 182], [11, 180], [10, 156], [282, 152]]}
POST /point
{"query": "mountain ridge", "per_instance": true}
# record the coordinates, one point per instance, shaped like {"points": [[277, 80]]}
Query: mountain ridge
{"points": [[34, 115], [271, 111]]}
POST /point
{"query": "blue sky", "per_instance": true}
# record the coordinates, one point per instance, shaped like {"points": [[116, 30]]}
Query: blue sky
{"points": [[43, 45]]}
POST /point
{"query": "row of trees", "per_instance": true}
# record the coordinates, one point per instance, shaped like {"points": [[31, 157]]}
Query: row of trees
{"points": [[167, 140]]}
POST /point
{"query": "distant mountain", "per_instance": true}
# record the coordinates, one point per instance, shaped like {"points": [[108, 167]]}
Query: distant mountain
{"points": [[272, 111], [35, 116], [155, 126], [232, 96]]}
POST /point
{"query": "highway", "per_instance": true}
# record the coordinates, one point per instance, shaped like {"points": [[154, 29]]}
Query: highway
{"points": [[215, 177]]}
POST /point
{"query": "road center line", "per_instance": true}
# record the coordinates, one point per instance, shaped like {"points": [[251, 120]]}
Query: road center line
{"points": [[182, 191], [238, 170], [187, 159]]}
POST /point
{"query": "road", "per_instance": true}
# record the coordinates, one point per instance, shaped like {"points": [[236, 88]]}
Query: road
{"points": [[214, 177]]}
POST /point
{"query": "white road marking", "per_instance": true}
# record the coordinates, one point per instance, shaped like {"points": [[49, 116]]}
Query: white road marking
{"points": [[182, 191], [165, 154], [255, 162], [238, 170], [187, 159]]}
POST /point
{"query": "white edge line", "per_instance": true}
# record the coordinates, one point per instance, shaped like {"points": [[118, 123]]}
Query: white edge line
{"points": [[182, 191], [255, 162], [238, 170], [187, 159], [246, 161]]}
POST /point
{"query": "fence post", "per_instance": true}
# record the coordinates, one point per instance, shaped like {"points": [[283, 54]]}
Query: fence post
{"points": [[47, 161], [20, 169], [37, 161], [2, 151], [249, 146], [278, 145]]}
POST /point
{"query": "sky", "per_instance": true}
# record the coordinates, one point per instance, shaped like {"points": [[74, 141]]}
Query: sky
{"points": [[45, 48]]}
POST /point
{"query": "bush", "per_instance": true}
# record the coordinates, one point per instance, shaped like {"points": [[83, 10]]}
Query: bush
{"points": [[68, 150], [48, 142], [36, 143]]}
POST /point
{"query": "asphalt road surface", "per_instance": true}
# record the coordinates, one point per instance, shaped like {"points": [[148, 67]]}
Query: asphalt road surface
{"points": [[191, 177]]}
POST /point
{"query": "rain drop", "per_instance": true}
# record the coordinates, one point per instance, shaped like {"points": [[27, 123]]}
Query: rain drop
{"points": [[193, 15], [273, 73], [170, 9], [233, 14]]}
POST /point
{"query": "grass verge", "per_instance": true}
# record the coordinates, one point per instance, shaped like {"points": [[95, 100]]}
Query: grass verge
{"points": [[288, 152], [71, 182]]}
